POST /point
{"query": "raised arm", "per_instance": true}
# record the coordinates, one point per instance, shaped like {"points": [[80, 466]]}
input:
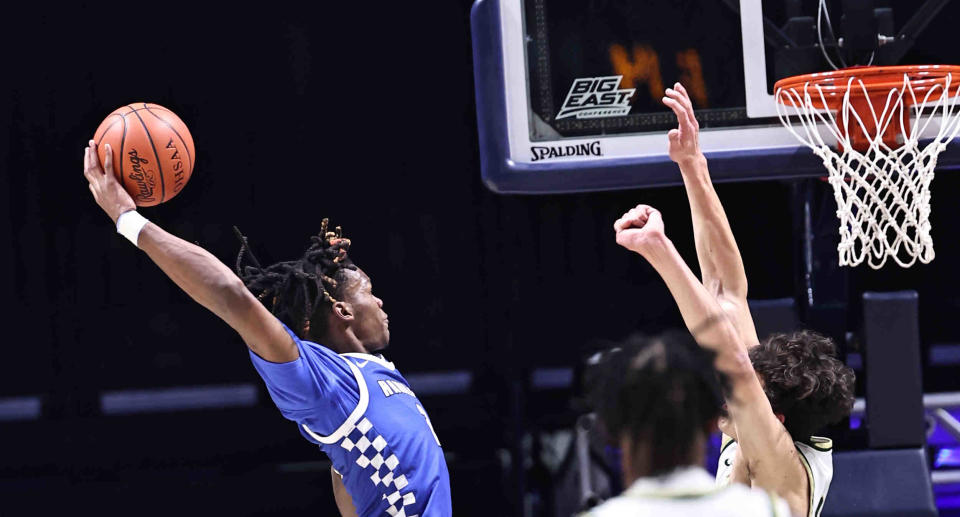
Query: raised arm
{"points": [[765, 444], [720, 261], [641, 230], [207, 280]]}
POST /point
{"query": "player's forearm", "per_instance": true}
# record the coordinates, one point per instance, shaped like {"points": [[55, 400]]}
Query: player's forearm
{"points": [[213, 285], [700, 311], [195, 270], [717, 249]]}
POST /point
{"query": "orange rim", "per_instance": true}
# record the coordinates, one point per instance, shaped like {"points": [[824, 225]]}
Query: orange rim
{"points": [[877, 80]]}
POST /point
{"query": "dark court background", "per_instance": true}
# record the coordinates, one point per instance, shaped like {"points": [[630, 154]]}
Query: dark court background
{"points": [[363, 113]]}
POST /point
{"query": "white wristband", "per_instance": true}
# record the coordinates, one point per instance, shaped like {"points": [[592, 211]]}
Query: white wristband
{"points": [[129, 225]]}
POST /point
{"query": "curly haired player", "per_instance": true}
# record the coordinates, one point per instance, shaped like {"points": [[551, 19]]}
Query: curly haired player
{"points": [[343, 395], [782, 390]]}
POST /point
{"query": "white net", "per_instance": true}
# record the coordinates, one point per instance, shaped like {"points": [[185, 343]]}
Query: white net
{"points": [[882, 192]]}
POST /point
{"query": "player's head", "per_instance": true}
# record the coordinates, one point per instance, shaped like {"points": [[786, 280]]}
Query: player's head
{"points": [[658, 397], [804, 381], [323, 297]]}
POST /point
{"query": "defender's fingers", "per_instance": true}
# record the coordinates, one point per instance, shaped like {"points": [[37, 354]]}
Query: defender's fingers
{"points": [[684, 116], [637, 218], [684, 99], [626, 221], [86, 158], [682, 95], [645, 213], [629, 225], [691, 116], [677, 110], [654, 215], [683, 91], [672, 103], [674, 94], [622, 221], [622, 224]]}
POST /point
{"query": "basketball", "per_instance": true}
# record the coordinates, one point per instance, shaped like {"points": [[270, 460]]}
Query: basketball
{"points": [[153, 151]]}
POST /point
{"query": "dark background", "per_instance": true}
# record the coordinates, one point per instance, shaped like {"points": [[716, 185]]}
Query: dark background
{"points": [[361, 113]]}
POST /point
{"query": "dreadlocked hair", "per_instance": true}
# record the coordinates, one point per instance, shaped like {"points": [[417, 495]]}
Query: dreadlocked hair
{"points": [[298, 291], [661, 391]]}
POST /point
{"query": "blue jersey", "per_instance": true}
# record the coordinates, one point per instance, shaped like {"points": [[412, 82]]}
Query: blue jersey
{"points": [[364, 416]]}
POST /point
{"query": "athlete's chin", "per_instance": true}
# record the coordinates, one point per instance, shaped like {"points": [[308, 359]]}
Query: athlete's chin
{"points": [[385, 343]]}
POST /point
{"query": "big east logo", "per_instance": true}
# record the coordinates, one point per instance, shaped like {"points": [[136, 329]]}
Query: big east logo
{"points": [[596, 97]]}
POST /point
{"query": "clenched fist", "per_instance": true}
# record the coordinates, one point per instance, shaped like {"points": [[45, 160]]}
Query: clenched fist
{"points": [[640, 229]]}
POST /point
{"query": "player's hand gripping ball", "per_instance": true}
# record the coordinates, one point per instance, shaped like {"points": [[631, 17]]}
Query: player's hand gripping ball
{"points": [[153, 152]]}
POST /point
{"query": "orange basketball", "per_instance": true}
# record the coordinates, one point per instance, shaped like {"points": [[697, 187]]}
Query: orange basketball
{"points": [[153, 152]]}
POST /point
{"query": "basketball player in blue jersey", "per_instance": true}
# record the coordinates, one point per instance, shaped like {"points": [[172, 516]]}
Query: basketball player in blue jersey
{"points": [[783, 389], [314, 330]]}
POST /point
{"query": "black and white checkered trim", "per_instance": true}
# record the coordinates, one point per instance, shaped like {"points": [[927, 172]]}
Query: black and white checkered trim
{"points": [[373, 455], [357, 435]]}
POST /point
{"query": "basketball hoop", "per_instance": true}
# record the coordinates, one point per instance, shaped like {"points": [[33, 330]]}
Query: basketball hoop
{"points": [[880, 171]]}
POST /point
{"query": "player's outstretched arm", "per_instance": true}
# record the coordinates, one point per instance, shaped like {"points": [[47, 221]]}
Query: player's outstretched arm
{"points": [[641, 230], [207, 280], [765, 444], [717, 251]]}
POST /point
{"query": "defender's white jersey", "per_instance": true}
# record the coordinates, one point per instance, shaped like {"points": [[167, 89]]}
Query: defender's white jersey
{"points": [[690, 492], [817, 459]]}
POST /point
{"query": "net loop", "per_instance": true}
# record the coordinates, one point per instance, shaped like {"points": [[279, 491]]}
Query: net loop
{"points": [[881, 169]]}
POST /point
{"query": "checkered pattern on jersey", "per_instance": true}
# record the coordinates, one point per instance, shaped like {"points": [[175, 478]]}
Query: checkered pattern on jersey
{"points": [[375, 455]]}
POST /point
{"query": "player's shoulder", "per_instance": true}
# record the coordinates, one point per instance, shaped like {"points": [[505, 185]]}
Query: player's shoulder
{"points": [[817, 443], [727, 443], [816, 453]]}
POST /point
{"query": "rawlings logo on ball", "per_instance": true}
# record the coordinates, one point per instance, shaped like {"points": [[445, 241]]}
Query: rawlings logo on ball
{"points": [[143, 177]]}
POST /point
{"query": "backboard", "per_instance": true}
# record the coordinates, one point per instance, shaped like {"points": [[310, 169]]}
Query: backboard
{"points": [[568, 90]]}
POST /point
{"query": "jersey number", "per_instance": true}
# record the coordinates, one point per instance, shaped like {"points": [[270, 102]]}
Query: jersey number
{"points": [[430, 425]]}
